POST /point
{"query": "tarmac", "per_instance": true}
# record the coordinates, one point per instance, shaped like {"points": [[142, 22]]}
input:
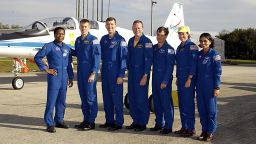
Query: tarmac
{"points": [[21, 114]]}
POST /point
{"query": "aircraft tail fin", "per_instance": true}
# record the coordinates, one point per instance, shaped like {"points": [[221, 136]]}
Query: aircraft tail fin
{"points": [[173, 22], [176, 17]]}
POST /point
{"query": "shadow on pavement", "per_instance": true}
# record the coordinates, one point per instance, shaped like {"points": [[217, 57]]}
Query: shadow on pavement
{"points": [[242, 86], [236, 120], [100, 107], [27, 123]]}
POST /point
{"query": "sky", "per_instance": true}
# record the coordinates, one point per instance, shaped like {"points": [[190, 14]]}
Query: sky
{"points": [[200, 15]]}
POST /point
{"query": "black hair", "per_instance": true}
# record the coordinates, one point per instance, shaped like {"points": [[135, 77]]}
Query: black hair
{"points": [[209, 37], [111, 19], [164, 29], [57, 29], [84, 21]]}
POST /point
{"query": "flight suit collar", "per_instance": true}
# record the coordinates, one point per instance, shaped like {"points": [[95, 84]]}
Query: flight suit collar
{"points": [[140, 40], [114, 37], [210, 50], [186, 43], [86, 37], [58, 44], [163, 46]]}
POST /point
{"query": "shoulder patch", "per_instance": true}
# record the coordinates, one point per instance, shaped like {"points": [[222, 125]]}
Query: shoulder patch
{"points": [[193, 47], [170, 51], [148, 45], [217, 58], [96, 41], [123, 43]]}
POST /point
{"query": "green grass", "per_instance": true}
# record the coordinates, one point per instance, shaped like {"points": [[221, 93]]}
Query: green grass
{"points": [[6, 65], [237, 61]]}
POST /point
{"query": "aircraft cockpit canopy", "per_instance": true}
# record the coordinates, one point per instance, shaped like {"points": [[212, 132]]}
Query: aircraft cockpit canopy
{"points": [[44, 26]]}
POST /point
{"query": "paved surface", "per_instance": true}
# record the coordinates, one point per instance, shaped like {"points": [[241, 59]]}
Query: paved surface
{"points": [[21, 114]]}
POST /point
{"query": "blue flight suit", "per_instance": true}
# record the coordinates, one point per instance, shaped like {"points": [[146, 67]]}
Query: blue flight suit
{"points": [[59, 58], [140, 59], [186, 58], [163, 63], [87, 50], [208, 78], [114, 56]]}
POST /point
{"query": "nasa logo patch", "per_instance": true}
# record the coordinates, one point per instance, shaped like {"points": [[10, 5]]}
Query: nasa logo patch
{"points": [[217, 58], [86, 42], [65, 52], [95, 42], [57, 49], [123, 43]]}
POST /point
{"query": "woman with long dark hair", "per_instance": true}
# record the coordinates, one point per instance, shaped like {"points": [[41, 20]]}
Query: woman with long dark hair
{"points": [[208, 85]]}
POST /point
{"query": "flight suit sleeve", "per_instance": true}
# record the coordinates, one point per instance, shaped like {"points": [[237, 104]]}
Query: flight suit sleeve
{"points": [[122, 58], [193, 53], [148, 56], [73, 51], [101, 46], [177, 50], [70, 68], [217, 69], [44, 51], [128, 55], [96, 50], [170, 58]]}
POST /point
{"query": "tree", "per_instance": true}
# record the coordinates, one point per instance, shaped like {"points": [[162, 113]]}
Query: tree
{"points": [[240, 43], [6, 26]]}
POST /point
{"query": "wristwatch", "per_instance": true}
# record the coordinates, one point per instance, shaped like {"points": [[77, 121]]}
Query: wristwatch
{"points": [[217, 88]]}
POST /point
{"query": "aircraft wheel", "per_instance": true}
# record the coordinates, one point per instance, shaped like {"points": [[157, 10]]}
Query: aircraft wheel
{"points": [[126, 101], [17, 83], [151, 103]]}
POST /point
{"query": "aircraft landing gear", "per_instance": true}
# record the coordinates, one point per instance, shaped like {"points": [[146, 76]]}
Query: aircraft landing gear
{"points": [[150, 99], [17, 83]]}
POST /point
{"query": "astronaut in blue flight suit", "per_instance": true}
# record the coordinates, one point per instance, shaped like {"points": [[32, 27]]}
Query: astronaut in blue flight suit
{"points": [[186, 58], [114, 56], [163, 63], [140, 55], [87, 50], [208, 86], [59, 71]]}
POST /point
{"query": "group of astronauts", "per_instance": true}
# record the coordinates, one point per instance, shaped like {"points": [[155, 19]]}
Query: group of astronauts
{"points": [[198, 71]]}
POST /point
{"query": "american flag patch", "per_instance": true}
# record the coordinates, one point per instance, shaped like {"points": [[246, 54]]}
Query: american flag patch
{"points": [[123, 43], [217, 58], [95, 41], [170, 51], [193, 47], [148, 45]]}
